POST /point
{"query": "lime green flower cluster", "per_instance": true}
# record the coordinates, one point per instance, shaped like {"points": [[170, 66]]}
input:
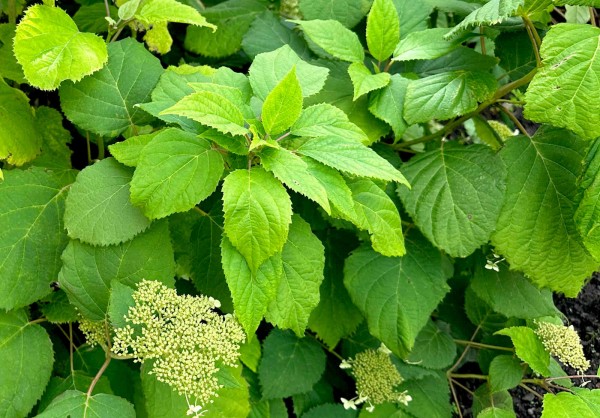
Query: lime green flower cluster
{"points": [[93, 331], [563, 343], [376, 378], [183, 335], [290, 9]]}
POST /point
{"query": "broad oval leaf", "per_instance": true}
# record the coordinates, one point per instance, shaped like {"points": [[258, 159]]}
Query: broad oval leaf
{"points": [[176, 170], [27, 357], [364, 81], [333, 38], [424, 45], [258, 212], [529, 348], [456, 196], [494, 11], [324, 119], [75, 404], [397, 294], [562, 92], [434, 348], [383, 29], [51, 49], [33, 236], [538, 235], [387, 104], [505, 373], [156, 11], [582, 403], [587, 215], [283, 105], [98, 210], [105, 103]]}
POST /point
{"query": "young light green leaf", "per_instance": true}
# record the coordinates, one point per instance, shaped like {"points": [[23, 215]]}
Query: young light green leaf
{"points": [[104, 103], [233, 18], [333, 38], [491, 13], [75, 404], [283, 105], [510, 293], [51, 49], [290, 365], [587, 215], [269, 68], [377, 213], [298, 292], [324, 119], [582, 403], [445, 95], [292, 171], [33, 234], [364, 81], [128, 152], [561, 93], [210, 109], [158, 38], [26, 351], [383, 29], [433, 349], [176, 170], [456, 196], [98, 210], [424, 45], [162, 11], [538, 235], [252, 292], [20, 140], [387, 104], [529, 348], [505, 373], [350, 157], [128, 8], [258, 212], [88, 271], [396, 304]]}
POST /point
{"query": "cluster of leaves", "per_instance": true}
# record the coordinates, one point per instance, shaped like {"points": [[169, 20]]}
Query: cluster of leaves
{"points": [[338, 174]]}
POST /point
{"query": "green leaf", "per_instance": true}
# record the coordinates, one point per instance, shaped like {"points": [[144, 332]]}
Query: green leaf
{"points": [[303, 261], [258, 212], [459, 60], [413, 15], [120, 300], [293, 171], [561, 93], [160, 400], [433, 349], [9, 67], [56, 153], [583, 403], [493, 12], [537, 235], [58, 309], [252, 292], [268, 33], [333, 38], [250, 354], [157, 11], [104, 103], [377, 213], [91, 18], [77, 380], [351, 157], [430, 397], [424, 45], [290, 365], [587, 216], [233, 18], [210, 109], [88, 271], [348, 12], [446, 95], [324, 119], [387, 104], [383, 29], [269, 68], [505, 373], [455, 196], [397, 295], [98, 210], [529, 348], [515, 51], [233, 397], [493, 412], [283, 105], [365, 82], [128, 152], [20, 140], [27, 357], [510, 293], [75, 404], [51, 49], [330, 411], [338, 192], [176, 170], [33, 236], [158, 38], [484, 399]]}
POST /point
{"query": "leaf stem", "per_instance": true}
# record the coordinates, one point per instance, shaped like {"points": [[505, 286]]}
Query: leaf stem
{"points": [[89, 149], [534, 37], [12, 11], [100, 144], [71, 348], [468, 376], [483, 346], [107, 9], [501, 92], [37, 321], [482, 41], [528, 389], [99, 374], [514, 120]]}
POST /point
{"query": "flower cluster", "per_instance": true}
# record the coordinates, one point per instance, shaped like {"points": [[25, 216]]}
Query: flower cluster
{"points": [[376, 378], [290, 9], [183, 335], [93, 331], [563, 343]]}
